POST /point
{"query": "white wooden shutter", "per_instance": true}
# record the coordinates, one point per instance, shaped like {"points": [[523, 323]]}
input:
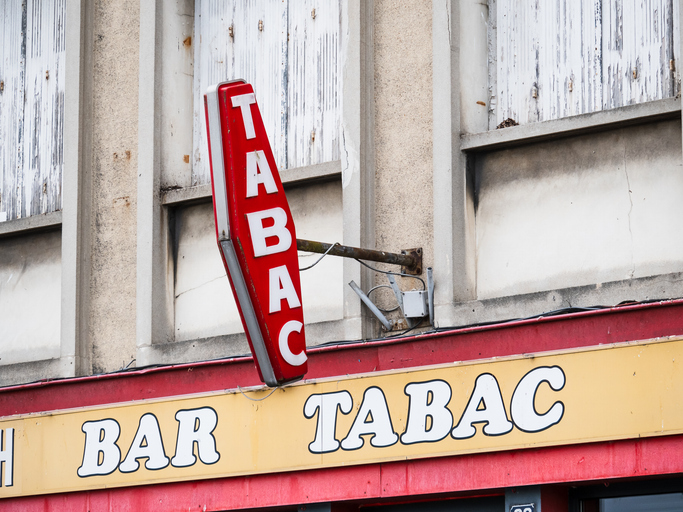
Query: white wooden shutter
{"points": [[314, 69], [32, 70], [292, 60], [558, 58]]}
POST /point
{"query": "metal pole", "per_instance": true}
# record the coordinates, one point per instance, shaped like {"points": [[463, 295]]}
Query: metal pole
{"points": [[388, 324], [411, 261]]}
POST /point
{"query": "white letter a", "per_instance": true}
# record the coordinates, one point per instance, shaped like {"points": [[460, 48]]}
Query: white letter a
{"points": [[281, 287], [256, 160]]}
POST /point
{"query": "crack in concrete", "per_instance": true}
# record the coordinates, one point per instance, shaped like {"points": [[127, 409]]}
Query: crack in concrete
{"points": [[345, 171], [448, 16], [630, 231], [200, 285]]}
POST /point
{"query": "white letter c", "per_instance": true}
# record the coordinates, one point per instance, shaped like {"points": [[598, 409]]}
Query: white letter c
{"points": [[287, 355]]}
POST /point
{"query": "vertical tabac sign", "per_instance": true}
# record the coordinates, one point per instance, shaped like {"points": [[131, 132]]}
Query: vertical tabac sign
{"points": [[255, 232]]}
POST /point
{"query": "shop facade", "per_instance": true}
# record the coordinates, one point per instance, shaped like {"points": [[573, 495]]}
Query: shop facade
{"points": [[530, 152], [571, 412]]}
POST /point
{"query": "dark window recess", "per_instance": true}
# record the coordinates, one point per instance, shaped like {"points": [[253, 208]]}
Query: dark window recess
{"points": [[672, 502], [645, 495]]}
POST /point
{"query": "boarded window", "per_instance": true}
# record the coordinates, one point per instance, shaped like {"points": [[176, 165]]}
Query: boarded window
{"points": [[290, 52], [550, 59], [31, 107]]}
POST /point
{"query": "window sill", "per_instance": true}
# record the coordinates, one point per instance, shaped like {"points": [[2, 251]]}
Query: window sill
{"points": [[33, 223], [669, 108], [291, 177], [235, 345]]}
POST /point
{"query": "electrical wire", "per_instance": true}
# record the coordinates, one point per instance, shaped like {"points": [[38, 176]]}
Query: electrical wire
{"points": [[555, 312], [403, 333], [321, 257], [258, 399], [424, 286], [382, 286]]}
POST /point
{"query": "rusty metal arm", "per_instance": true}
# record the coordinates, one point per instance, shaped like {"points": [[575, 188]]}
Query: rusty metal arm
{"points": [[410, 260]]}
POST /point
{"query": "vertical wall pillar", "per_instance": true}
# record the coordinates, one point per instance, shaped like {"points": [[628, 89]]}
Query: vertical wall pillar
{"points": [[75, 354], [454, 242], [357, 154]]}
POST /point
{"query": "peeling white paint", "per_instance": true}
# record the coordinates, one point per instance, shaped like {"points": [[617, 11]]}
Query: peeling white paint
{"points": [[32, 53], [313, 82], [559, 58], [293, 61], [349, 159]]}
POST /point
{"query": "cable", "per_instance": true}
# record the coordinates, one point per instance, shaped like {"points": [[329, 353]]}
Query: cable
{"points": [[258, 399], [321, 257], [424, 286], [403, 333], [382, 286], [552, 313]]}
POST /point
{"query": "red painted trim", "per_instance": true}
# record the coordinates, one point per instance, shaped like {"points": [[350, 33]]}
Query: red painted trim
{"points": [[363, 344], [374, 483]]}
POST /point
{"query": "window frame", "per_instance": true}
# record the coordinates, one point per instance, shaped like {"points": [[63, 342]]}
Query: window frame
{"points": [[72, 220], [460, 131], [155, 339]]}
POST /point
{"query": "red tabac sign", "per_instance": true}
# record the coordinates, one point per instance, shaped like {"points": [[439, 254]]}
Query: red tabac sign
{"points": [[255, 232]]}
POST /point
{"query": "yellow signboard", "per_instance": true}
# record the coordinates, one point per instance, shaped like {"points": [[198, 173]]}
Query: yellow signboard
{"points": [[601, 393]]}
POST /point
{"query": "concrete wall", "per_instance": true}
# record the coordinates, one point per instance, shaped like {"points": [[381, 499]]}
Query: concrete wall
{"points": [[111, 309], [403, 202], [204, 306], [30, 288], [516, 222], [583, 210]]}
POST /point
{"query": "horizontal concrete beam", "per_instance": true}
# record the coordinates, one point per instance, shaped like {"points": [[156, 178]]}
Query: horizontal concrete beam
{"points": [[33, 223], [297, 176], [568, 126]]}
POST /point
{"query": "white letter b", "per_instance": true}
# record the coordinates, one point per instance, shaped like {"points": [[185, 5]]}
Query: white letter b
{"points": [[260, 234]]}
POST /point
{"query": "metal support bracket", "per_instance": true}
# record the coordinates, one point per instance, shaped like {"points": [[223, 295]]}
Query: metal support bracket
{"points": [[430, 294], [399, 299], [388, 324], [410, 259], [417, 257]]}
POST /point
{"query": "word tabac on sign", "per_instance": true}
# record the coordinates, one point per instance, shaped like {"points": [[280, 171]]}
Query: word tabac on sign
{"points": [[255, 232], [624, 391]]}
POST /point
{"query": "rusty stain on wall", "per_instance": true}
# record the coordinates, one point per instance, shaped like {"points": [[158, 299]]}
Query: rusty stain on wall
{"points": [[32, 53], [294, 64], [549, 60]]}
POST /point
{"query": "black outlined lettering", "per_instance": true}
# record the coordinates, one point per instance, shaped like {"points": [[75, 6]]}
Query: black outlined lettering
{"points": [[523, 404], [372, 419], [486, 391], [195, 427], [428, 401], [101, 454], [146, 444], [326, 405], [7, 456]]}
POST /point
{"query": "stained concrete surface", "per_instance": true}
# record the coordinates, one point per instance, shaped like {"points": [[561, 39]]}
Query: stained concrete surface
{"points": [[111, 312], [403, 130]]}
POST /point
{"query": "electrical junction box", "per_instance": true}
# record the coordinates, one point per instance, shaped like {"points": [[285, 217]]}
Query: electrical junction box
{"points": [[415, 304]]}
